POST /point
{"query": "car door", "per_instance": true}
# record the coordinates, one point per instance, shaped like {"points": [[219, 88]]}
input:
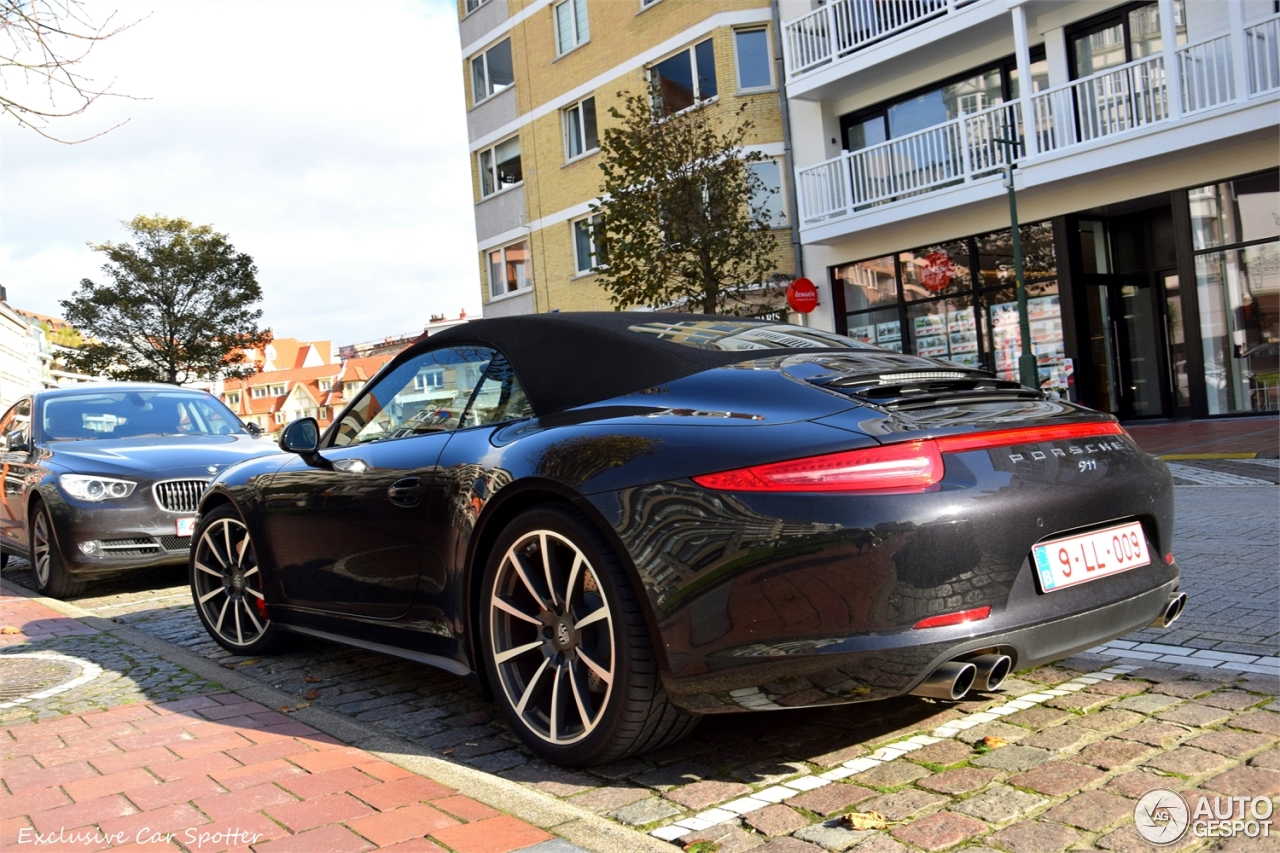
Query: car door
{"points": [[348, 526], [15, 465]]}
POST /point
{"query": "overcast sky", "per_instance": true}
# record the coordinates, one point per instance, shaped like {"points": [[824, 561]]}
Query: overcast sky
{"points": [[326, 139]]}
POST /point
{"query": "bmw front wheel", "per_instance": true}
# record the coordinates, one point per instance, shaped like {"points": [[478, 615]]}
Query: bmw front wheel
{"points": [[226, 584], [52, 577], [566, 646]]}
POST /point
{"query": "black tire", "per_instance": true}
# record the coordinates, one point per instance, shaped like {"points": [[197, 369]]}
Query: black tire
{"points": [[545, 637], [226, 584], [47, 567]]}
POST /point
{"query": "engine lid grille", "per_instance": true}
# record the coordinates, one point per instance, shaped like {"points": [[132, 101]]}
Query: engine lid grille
{"points": [[926, 388], [179, 495]]}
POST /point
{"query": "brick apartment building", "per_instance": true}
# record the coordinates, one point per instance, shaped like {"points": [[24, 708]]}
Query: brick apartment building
{"points": [[541, 76]]}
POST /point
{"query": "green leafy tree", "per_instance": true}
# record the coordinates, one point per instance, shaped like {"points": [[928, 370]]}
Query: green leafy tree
{"points": [[180, 306], [677, 224]]}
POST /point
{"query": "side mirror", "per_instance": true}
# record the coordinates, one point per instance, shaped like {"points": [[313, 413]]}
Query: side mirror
{"points": [[301, 436], [253, 429], [16, 442]]}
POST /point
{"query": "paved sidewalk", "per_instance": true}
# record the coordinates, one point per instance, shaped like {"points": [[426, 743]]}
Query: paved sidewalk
{"points": [[105, 745], [1243, 437]]}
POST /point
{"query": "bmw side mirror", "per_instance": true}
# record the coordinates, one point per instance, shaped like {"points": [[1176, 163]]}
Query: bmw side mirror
{"points": [[16, 442], [301, 436], [253, 429]]}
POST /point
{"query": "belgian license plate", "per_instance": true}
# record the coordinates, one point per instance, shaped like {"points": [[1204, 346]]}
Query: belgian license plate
{"points": [[1078, 559], [186, 526]]}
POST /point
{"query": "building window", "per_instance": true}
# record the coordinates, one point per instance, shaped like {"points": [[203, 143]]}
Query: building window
{"points": [[768, 195], [472, 5], [326, 384], [509, 269], [258, 391], [586, 257], [686, 78], [1119, 37], [571, 25], [276, 390], [751, 48], [580, 135], [350, 389], [233, 399], [500, 167], [939, 103], [492, 71], [279, 417]]}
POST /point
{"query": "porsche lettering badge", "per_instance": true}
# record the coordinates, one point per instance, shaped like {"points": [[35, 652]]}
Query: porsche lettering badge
{"points": [[1072, 450]]}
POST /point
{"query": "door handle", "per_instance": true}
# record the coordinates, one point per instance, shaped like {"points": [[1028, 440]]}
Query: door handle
{"points": [[406, 491]]}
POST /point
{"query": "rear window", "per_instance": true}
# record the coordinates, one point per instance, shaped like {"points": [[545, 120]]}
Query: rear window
{"points": [[724, 334]]}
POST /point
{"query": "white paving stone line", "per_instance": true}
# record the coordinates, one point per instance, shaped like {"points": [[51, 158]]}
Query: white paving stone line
{"points": [[793, 788], [88, 672], [1202, 477], [1207, 658]]}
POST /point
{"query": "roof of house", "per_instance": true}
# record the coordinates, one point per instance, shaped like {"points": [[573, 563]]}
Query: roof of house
{"points": [[310, 377]]}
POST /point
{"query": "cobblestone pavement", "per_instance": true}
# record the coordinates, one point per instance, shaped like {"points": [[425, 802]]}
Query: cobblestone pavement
{"points": [[1225, 472], [1226, 545]]}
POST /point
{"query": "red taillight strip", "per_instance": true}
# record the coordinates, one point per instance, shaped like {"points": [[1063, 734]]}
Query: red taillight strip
{"points": [[902, 467], [1025, 435], [958, 618]]}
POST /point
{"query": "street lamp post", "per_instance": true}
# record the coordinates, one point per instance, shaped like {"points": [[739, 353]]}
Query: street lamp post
{"points": [[1028, 372]]}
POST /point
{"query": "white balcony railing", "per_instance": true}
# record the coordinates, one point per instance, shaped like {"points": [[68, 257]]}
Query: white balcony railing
{"points": [[1261, 55], [1106, 105], [959, 151], [844, 26]]}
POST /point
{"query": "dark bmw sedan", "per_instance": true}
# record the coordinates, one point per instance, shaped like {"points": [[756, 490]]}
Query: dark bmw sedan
{"points": [[104, 478], [616, 523]]}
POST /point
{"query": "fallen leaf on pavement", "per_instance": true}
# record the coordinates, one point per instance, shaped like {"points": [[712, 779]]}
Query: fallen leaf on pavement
{"points": [[9, 629], [993, 742], [311, 694], [863, 820], [311, 679]]}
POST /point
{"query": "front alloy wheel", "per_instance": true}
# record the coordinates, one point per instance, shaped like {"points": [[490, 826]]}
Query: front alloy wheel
{"points": [[227, 586], [52, 577]]}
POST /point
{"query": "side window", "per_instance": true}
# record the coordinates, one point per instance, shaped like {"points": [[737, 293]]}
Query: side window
{"points": [[499, 397], [428, 393], [18, 420]]}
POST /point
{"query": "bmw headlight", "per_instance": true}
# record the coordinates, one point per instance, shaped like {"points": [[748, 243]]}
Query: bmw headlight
{"points": [[95, 488]]}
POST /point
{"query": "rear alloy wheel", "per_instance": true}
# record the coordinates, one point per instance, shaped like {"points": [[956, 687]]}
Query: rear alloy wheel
{"points": [[566, 645], [52, 577], [226, 584]]}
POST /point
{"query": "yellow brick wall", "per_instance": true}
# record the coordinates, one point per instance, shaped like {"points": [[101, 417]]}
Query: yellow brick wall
{"points": [[619, 31]]}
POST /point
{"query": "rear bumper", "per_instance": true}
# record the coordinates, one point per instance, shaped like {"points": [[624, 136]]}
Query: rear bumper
{"points": [[832, 671]]}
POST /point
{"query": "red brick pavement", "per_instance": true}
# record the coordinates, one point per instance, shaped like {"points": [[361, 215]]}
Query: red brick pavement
{"points": [[215, 772], [23, 620], [1260, 435]]}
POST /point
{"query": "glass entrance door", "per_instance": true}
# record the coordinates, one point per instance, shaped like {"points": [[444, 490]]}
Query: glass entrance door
{"points": [[1125, 341]]}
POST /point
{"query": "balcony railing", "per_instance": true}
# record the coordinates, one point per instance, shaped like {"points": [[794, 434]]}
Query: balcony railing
{"points": [[844, 26], [1109, 104], [946, 155]]}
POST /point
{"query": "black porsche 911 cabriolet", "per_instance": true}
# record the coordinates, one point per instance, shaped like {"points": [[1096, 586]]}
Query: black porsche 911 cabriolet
{"points": [[616, 523]]}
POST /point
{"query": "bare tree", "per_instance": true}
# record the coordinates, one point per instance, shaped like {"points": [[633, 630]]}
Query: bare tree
{"points": [[45, 42]]}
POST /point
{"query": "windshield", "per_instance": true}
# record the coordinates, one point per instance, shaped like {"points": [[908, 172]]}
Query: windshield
{"points": [[729, 334], [129, 414]]}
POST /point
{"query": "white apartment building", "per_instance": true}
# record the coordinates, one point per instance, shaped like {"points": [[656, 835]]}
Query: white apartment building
{"points": [[1146, 183]]}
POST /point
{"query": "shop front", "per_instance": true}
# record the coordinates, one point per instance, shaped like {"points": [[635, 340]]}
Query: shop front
{"points": [[1161, 307]]}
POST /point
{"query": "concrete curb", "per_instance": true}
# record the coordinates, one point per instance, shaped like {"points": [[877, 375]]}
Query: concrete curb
{"points": [[573, 823]]}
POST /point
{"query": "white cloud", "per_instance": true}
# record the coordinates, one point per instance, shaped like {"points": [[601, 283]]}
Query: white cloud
{"points": [[327, 139]]}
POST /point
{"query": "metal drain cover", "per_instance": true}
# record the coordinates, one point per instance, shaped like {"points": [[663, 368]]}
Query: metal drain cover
{"points": [[22, 676]]}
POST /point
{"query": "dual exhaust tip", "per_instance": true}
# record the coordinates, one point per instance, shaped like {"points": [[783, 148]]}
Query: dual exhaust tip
{"points": [[1172, 610], [954, 679]]}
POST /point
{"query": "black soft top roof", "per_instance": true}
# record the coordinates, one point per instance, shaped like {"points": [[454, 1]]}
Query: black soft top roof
{"points": [[566, 360]]}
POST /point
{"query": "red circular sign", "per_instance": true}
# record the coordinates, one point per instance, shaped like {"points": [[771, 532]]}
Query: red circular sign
{"points": [[802, 296], [938, 272]]}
